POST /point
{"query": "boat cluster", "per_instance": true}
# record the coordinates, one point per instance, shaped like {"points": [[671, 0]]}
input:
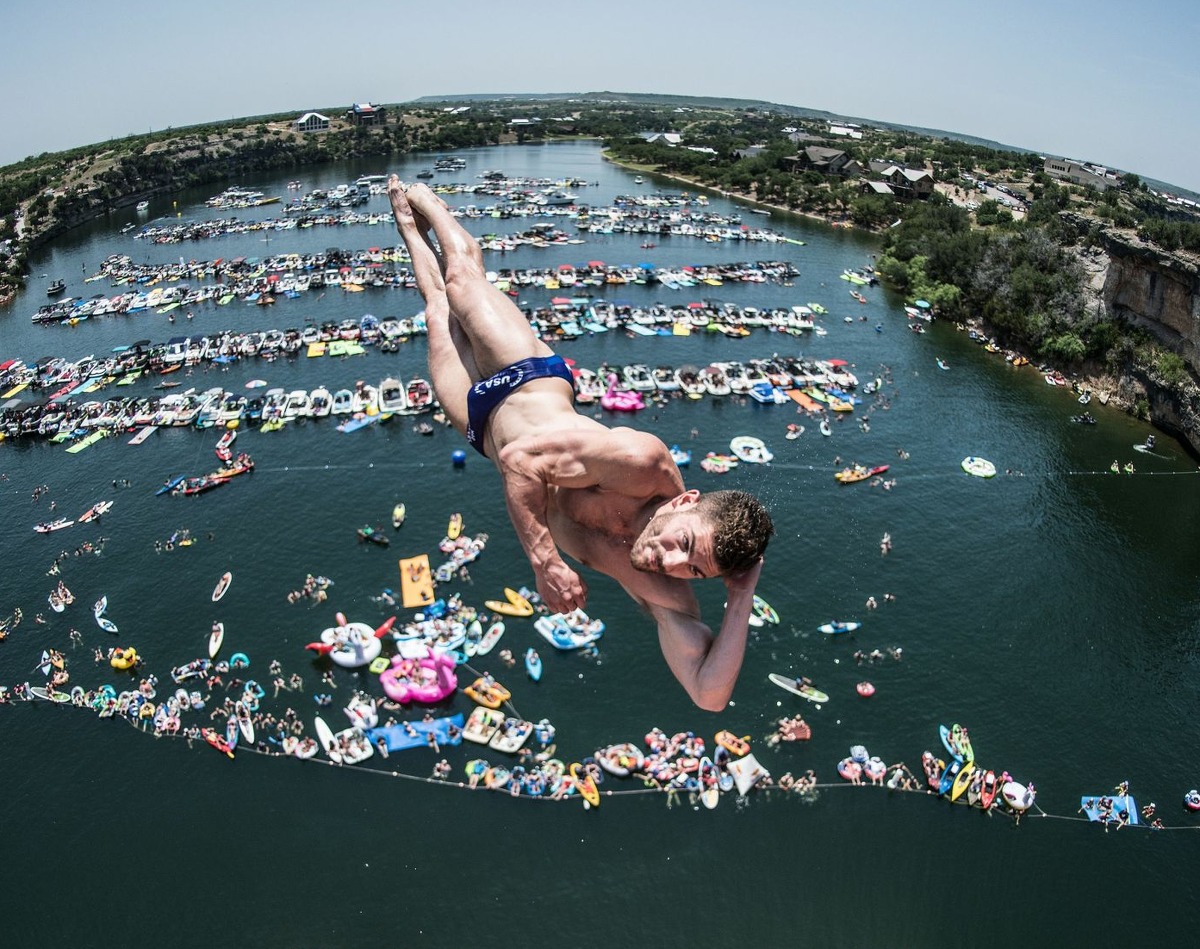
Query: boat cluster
{"points": [[290, 275], [61, 416]]}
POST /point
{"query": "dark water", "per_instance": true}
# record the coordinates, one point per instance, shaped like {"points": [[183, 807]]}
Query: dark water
{"points": [[1054, 613]]}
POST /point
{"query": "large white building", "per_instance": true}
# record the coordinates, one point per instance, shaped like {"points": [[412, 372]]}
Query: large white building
{"points": [[1082, 173], [311, 122]]}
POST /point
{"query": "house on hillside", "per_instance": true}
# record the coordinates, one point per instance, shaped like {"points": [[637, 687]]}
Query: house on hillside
{"points": [[750, 151], [831, 162], [363, 113], [662, 138], [311, 122], [1082, 173], [906, 183]]}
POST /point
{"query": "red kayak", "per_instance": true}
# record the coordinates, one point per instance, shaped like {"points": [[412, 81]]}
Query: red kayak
{"points": [[217, 741], [990, 787]]}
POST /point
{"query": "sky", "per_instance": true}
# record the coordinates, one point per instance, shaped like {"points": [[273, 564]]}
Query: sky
{"points": [[1106, 82]]}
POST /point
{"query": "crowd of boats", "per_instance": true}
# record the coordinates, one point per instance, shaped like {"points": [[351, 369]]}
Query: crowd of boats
{"points": [[619, 218], [69, 405], [163, 288]]}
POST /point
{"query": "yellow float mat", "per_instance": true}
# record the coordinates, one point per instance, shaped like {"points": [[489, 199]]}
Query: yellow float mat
{"points": [[416, 582]]}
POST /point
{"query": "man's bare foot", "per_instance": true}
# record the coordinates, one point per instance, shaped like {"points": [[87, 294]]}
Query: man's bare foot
{"points": [[455, 241], [401, 209]]}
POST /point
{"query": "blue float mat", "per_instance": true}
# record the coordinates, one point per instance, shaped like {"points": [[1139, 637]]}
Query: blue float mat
{"points": [[1120, 805], [398, 737]]}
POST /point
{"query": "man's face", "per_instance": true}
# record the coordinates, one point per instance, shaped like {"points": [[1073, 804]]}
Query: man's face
{"points": [[677, 542]]}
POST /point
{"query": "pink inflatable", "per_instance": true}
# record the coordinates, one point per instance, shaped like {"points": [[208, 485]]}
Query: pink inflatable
{"points": [[620, 400], [425, 680]]}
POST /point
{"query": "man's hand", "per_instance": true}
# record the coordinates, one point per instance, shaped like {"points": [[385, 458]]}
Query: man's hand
{"points": [[744, 581], [561, 588]]}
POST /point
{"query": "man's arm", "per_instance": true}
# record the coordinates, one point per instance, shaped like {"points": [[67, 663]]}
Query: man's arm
{"points": [[625, 461], [705, 665]]}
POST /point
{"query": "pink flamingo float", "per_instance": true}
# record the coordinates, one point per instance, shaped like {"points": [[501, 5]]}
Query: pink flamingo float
{"points": [[420, 680], [620, 400]]}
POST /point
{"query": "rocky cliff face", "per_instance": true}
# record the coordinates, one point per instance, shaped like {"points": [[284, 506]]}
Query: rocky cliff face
{"points": [[1156, 291], [1160, 293]]}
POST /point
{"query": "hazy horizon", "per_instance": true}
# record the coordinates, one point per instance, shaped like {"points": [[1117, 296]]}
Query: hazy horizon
{"points": [[1100, 86]]}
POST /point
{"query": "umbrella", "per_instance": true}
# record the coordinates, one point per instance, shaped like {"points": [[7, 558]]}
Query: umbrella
{"points": [[256, 383], [923, 304], [837, 362]]}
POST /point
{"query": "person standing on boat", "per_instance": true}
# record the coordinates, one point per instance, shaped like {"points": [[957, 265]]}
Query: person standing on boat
{"points": [[612, 499]]}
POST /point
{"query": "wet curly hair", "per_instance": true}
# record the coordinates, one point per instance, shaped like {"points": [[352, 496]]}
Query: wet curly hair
{"points": [[741, 528]]}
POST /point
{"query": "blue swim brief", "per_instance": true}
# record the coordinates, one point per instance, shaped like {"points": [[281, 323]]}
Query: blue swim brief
{"points": [[483, 397]]}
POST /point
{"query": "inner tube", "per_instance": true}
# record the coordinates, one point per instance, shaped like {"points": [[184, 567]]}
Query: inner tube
{"points": [[239, 660], [865, 689]]}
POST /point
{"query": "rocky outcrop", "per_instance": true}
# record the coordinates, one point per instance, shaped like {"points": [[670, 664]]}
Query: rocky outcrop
{"points": [[1160, 293], [1157, 291]]}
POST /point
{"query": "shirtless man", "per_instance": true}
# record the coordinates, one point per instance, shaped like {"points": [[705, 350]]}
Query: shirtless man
{"points": [[611, 498]]}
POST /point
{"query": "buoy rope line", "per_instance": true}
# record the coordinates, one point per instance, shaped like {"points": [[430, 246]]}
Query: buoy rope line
{"points": [[673, 793]]}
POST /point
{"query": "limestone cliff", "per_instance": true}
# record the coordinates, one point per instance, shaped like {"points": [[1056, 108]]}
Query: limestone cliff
{"points": [[1160, 293]]}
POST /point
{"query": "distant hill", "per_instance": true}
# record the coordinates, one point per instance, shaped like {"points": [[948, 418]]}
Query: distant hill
{"points": [[709, 102]]}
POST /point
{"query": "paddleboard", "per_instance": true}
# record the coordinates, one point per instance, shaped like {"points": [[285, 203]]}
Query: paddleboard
{"points": [[215, 638], [804, 691], [416, 582], [325, 737], [533, 664]]}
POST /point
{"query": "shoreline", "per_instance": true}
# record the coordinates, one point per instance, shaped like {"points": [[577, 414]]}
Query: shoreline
{"points": [[735, 195]]}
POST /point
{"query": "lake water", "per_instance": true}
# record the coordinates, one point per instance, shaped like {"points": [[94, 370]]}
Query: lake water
{"points": [[1054, 612]]}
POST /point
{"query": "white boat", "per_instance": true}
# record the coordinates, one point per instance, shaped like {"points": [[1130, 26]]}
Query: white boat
{"points": [[621, 759], [321, 401], [511, 735], [979, 467], [245, 722], [750, 449], [569, 631], [391, 396], [482, 724]]}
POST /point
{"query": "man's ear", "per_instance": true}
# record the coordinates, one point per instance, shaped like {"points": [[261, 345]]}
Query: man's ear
{"points": [[687, 499]]}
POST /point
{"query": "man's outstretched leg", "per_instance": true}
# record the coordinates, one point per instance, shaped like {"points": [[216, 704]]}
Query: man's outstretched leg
{"points": [[500, 334], [452, 368]]}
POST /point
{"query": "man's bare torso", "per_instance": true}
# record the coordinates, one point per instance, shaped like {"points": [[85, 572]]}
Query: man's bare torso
{"points": [[596, 527]]}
